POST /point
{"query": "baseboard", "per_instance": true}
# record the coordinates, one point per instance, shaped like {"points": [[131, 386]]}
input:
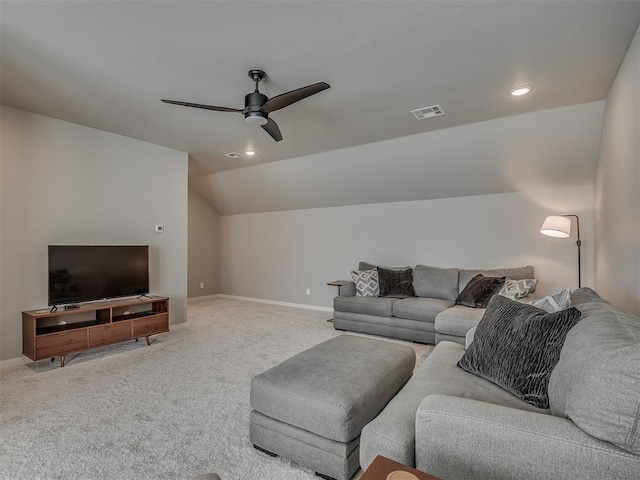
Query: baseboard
{"points": [[275, 302], [202, 298], [12, 362], [178, 326]]}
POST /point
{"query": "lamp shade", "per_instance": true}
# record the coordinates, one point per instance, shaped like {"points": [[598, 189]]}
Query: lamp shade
{"points": [[556, 226]]}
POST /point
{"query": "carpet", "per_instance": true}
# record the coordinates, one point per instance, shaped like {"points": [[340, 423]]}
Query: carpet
{"points": [[178, 408]]}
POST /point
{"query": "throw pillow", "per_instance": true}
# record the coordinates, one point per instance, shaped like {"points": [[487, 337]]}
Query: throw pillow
{"points": [[554, 303], [366, 282], [396, 283], [516, 347], [515, 289], [479, 291]]}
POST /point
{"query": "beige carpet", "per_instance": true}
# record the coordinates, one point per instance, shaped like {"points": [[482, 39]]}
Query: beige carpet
{"points": [[176, 409]]}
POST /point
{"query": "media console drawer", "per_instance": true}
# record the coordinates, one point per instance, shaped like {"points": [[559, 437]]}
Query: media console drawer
{"points": [[143, 327], [62, 342], [109, 333]]}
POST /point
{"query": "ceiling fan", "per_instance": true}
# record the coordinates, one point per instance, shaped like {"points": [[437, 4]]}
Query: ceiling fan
{"points": [[257, 106]]}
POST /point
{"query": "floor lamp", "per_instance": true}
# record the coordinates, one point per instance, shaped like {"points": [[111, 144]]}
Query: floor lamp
{"points": [[559, 226]]}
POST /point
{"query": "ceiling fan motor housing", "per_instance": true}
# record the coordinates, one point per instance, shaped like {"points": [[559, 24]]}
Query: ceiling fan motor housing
{"points": [[253, 102]]}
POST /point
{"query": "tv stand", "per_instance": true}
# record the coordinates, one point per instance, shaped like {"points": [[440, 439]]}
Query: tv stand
{"points": [[54, 333]]}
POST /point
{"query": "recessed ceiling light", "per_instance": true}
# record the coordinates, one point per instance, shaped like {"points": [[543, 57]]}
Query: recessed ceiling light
{"points": [[521, 90], [249, 152]]}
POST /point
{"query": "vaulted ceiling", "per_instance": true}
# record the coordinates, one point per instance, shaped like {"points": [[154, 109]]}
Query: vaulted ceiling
{"points": [[107, 64]]}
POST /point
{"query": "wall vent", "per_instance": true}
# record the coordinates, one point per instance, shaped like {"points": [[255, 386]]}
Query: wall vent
{"points": [[233, 155], [428, 112]]}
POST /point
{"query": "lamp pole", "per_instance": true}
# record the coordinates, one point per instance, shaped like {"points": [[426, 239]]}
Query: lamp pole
{"points": [[579, 244]]}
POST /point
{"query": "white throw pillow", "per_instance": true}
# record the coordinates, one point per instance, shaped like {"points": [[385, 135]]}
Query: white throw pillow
{"points": [[554, 303], [469, 337], [516, 289]]}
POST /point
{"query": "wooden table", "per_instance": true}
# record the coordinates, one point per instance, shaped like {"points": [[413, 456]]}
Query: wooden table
{"points": [[381, 467], [339, 284]]}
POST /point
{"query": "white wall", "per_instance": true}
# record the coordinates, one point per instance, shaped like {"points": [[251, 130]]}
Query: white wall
{"points": [[204, 247], [617, 188], [67, 184], [277, 255]]}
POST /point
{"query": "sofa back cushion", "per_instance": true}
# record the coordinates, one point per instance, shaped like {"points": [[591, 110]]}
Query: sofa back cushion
{"points": [[517, 273], [596, 382], [435, 282], [369, 266]]}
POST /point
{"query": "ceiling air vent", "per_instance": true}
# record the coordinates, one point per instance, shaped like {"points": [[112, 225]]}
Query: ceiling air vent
{"points": [[233, 155], [428, 112]]}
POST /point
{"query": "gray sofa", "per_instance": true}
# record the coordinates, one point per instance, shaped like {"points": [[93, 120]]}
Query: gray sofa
{"points": [[430, 317], [458, 426]]}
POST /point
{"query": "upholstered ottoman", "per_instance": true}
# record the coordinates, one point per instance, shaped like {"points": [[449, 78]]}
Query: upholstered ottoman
{"points": [[311, 408]]}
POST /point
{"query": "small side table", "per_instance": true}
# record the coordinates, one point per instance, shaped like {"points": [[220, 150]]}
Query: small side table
{"points": [[339, 284], [381, 467]]}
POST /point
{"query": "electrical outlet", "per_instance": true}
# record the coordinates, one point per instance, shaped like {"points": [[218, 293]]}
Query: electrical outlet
{"points": [[308, 291], [159, 228], [201, 284]]}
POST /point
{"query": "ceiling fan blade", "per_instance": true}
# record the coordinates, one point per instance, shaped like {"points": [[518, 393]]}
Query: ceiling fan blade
{"points": [[286, 99], [205, 107], [272, 129]]}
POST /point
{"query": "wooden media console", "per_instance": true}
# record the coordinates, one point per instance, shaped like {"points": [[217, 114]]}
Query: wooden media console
{"points": [[48, 334]]}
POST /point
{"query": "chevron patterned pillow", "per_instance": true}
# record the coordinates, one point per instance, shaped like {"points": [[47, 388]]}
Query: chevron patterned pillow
{"points": [[366, 281], [515, 289]]}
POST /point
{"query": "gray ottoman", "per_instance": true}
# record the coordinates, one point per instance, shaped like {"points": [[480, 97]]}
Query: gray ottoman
{"points": [[311, 408]]}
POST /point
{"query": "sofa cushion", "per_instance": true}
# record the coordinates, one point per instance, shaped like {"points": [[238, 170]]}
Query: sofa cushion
{"points": [[479, 290], [516, 273], [380, 306], [420, 308], [458, 319], [392, 433], [435, 282], [597, 380], [366, 281], [396, 283], [369, 266], [516, 346]]}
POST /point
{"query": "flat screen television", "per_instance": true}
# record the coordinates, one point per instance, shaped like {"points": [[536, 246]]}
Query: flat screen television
{"points": [[81, 273]]}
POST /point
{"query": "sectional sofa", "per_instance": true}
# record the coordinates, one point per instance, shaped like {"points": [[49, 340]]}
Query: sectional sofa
{"points": [[459, 426], [430, 317]]}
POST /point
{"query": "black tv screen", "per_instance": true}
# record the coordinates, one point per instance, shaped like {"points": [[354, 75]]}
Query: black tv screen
{"points": [[80, 273]]}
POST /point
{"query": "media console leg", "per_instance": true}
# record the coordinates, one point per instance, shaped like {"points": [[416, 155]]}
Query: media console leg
{"points": [[53, 359], [136, 339], [62, 361], [148, 342]]}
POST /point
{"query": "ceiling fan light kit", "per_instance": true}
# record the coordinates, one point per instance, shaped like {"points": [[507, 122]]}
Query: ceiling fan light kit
{"points": [[258, 106]]}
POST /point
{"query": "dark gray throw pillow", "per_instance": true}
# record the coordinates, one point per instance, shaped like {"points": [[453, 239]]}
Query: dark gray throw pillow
{"points": [[396, 283], [479, 291], [516, 346]]}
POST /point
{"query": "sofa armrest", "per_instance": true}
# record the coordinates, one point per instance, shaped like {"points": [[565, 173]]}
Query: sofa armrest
{"points": [[460, 438]]}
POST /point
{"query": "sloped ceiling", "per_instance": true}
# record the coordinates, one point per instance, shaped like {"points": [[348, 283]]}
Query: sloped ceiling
{"points": [[548, 149], [106, 64]]}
